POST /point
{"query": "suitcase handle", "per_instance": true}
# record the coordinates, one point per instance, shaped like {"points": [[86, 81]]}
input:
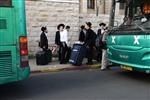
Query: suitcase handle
{"points": [[75, 50]]}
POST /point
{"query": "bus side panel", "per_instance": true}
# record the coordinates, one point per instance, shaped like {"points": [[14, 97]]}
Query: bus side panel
{"points": [[8, 44], [8, 70], [130, 50], [7, 26], [21, 31]]}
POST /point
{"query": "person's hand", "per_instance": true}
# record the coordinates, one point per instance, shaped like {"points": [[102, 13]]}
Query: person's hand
{"points": [[57, 46], [44, 47], [87, 47], [54, 50]]}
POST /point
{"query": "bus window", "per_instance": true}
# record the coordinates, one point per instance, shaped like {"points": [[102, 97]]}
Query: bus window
{"points": [[146, 8], [3, 24], [5, 3]]}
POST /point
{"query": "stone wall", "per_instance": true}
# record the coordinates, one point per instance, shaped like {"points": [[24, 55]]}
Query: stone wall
{"points": [[102, 16], [50, 13], [95, 20]]}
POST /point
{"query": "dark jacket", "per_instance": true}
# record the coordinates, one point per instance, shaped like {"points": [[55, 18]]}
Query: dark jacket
{"points": [[99, 32], [90, 37], [82, 36], [57, 38], [43, 41]]}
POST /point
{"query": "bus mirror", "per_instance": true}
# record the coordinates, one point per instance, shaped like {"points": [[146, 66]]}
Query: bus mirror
{"points": [[116, 24], [143, 20]]}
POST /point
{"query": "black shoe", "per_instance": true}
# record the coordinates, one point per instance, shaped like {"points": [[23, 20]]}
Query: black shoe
{"points": [[89, 63], [62, 63]]}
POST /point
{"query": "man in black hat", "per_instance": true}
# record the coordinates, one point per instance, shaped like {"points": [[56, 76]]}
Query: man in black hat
{"points": [[61, 39], [99, 42], [43, 39], [102, 28], [82, 34], [90, 41]]}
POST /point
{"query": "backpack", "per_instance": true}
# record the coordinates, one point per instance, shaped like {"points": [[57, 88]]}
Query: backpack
{"points": [[94, 37], [39, 44], [98, 41]]}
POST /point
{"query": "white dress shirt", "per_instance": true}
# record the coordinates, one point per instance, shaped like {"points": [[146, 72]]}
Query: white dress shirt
{"points": [[64, 36]]}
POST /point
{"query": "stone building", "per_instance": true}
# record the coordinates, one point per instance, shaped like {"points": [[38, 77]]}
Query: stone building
{"points": [[74, 13]]}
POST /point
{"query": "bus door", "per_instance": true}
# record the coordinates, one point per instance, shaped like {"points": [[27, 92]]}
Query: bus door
{"points": [[8, 41]]}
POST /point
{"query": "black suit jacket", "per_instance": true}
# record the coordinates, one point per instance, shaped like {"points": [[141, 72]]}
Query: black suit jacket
{"points": [[43, 41], [82, 36], [90, 37], [57, 38], [99, 32]]}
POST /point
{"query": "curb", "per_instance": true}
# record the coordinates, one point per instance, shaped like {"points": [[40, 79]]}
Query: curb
{"points": [[83, 67]]}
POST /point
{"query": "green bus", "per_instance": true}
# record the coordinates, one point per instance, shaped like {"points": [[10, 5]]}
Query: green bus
{"points": [[129, 44], [13, 41]]}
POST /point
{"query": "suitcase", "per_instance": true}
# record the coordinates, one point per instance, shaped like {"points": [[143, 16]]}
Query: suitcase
{"points": [[49, 55], [41, 58], [77, 54]]}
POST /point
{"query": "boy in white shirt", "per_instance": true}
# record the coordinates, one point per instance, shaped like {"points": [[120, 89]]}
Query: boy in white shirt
{"points": [[61, 40]]}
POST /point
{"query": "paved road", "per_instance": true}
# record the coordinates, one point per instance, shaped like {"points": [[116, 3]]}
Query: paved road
{"points": [[80, 85]]}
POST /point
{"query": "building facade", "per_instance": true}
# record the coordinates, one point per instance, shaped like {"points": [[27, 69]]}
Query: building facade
{"points": [[74, 13]]}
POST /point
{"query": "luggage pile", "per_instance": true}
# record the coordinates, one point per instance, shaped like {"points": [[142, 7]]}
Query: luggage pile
{"points": [[43, 57], [77, 55]]}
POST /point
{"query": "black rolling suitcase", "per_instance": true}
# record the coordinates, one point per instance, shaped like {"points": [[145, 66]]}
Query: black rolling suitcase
{"points": [[41, 58], [49, 55], [77, 54]]}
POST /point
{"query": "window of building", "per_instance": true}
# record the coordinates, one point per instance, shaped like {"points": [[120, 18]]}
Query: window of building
{"points": [[122, 6], [91, 4], [5, 3]]}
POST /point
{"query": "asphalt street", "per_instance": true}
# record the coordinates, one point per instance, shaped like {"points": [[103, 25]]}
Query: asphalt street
{"points": [[114, 84]]}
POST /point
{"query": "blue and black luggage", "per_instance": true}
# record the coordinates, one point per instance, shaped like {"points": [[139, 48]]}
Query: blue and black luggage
{"points": [[77, 55]]}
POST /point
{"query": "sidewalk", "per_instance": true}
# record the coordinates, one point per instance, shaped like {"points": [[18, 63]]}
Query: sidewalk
{"points": [[56, 67]]}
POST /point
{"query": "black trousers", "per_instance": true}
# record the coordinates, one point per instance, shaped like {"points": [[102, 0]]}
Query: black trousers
{"points": [[63, 53], [68, 54], [99, 54], [59, 54], [90, 54]]}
